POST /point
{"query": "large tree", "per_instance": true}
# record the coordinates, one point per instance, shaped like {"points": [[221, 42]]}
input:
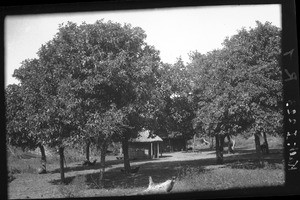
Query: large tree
{"points": [[84, 70], [255, 55], [104, 128], [17, 133], [24, 103], [238, 88], [172, 106]]}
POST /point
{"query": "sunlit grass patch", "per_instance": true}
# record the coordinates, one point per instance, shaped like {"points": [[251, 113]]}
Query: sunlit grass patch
{"points": [[114, 192], [197, 179], [255, 164], [78, 187], [228, 178]]}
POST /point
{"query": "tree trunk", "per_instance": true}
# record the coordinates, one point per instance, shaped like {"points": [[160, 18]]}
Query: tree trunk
{"points": [[212, 143], [257, 144], [43, 157], [102, 163], [158, 150], [230, 144], [229, 147], [194, 142], [219, 148], [126, 155], [258, 147], [87, 150], [222, 138], [151, 150], [266, 142], [61, 159]]}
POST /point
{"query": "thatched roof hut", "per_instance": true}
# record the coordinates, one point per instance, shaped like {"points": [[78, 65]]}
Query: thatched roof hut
{"points": [[145, 145]]}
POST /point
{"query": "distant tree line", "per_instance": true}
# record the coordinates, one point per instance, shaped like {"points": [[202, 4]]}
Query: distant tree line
{"points": [[99, 83]]}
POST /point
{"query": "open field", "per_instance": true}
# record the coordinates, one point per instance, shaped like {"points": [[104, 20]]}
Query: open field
{"points": [[194, 171]]}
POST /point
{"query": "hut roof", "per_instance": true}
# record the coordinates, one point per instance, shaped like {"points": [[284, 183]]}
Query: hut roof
{"points": [[146, 136]]}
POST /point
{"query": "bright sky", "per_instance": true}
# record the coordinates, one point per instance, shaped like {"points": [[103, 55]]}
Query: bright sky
{"points": [[174, 32]]}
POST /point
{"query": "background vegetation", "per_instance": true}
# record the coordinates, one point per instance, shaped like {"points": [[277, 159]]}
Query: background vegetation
{"points": [[102, 83]]}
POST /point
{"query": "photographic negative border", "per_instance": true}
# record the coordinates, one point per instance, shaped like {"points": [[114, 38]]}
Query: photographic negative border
{"points": [[290, 77], [290, 73]]}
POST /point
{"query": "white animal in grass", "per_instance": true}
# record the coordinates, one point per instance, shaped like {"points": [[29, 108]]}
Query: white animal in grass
{"points": [[166, 186]]}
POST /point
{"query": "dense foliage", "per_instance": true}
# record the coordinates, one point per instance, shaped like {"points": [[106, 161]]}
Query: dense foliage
{"points": [[239, 87], [103, 81]]}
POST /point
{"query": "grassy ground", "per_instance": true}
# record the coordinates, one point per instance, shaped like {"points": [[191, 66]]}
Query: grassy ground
{"points": [[193, 171], [194, 175]]}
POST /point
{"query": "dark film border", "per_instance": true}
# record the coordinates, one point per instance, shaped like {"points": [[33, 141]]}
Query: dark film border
{"points": [[290, 76]]}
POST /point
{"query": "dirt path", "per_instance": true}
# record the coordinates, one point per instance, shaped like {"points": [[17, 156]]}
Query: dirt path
{"points": [[40, 186]]}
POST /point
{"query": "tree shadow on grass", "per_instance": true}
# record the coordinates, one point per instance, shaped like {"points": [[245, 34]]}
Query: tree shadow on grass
{"points": [[159, 171], [80, 167], [241, 154], [165, 156], [108, 163], [247, 159], [164, 170]]}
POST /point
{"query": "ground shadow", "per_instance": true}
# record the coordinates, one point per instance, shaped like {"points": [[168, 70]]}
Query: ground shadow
{"points": [[248, 159], [159, 171], [205, 149], [165, 156], [79, 167], [164, 170], [241, 153]]}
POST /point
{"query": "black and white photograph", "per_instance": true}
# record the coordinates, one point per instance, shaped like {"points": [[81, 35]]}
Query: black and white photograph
{"points": [[142, 102]]}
